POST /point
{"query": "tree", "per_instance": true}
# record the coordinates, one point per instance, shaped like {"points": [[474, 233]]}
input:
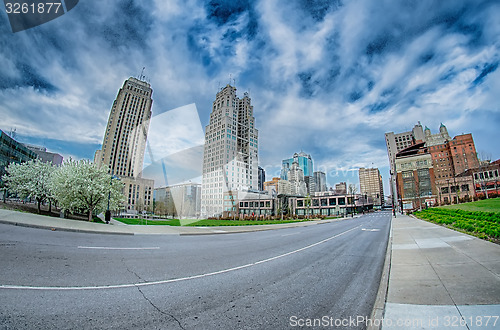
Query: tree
{"points": [[81, 185], [30, 180], [307, 203]]}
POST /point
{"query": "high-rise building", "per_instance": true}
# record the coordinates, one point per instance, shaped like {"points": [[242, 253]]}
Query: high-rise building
{"points": [[415, 177], [370, 183], [262, 178], [435, 139], [305, 163], [124, 142], [295, 176], [398, 141], [320, 180], [341, 188], [230, 157]]}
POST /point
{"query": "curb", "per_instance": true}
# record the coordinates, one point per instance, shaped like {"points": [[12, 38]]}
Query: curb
{"points": [[28, 225], [88, 231], [379, 305]]}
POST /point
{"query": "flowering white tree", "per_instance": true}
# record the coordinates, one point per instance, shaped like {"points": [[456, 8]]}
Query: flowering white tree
{"points": [[30, 180], [81, 185]]}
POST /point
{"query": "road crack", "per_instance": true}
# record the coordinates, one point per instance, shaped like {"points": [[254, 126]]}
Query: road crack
{"points": [[131, 271], [159, 310]]}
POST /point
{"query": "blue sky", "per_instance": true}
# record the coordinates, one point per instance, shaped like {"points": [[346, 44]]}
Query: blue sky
{"points": [[326, 77]]}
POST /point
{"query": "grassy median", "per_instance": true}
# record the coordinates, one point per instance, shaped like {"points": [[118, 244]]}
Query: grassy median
{"points": [[210, 222], [480, 219], [132, 221], [204, 222]]}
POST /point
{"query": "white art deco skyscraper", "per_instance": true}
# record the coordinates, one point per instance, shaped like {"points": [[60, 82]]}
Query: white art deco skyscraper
{"points": [[230, 158], [124, 142]]}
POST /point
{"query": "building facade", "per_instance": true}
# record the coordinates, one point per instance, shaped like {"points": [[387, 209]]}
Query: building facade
{"points": [[415, 177], [435, 139], [45, 156], [262, 178], [230, 157], [450, 157], [456, 189], [370, 183], [12, 151], [341, 188], [395, 143], [295, 176], [330, 204], [180, 200], [320, 181], [124, 143], [272, 186], [305, 163]]}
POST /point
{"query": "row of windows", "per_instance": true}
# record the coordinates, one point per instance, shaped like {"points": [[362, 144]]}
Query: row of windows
{"points": [[256, 204], [486, 175]]}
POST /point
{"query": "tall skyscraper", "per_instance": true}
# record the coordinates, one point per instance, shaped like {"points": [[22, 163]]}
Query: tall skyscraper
{"points": [[320, 180], [305, 163], [370, 183], [230, 157], [262, 178], [124, 142]]}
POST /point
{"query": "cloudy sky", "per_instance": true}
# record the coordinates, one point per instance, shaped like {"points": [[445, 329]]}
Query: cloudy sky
{"points": [[326, 77]]}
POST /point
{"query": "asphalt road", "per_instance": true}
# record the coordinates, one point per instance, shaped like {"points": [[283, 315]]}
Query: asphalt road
{"points": [[275, 279]]}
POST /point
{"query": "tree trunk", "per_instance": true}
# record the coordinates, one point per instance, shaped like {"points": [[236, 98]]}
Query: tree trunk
{"points": [[50, 205], [90, 215], [39, 202]]}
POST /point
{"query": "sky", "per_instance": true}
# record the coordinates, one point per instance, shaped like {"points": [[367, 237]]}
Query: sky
{"points": [[325, 77]]}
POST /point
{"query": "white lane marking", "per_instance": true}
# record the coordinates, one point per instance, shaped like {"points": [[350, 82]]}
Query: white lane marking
{"points": [[131, 285], [365, 229], [118, 248], [290, 234]]}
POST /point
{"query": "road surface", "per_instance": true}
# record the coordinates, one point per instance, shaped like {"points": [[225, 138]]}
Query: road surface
{"points": [[276, 279]]}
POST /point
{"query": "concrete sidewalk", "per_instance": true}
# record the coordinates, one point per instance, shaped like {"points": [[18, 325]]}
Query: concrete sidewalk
{"points": [[118, 228], [441, 279]]}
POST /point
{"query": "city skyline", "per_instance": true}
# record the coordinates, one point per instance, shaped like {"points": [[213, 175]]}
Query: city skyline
{"points": [[328, 78]]}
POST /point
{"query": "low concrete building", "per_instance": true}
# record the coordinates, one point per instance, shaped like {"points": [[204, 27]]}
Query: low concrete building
{"points": [[456, 189], [46, 156], [330, 204]]}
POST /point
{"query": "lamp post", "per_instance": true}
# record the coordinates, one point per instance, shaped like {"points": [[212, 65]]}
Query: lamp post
{"points": [[107, 215], [259, 204], [449, 190]]}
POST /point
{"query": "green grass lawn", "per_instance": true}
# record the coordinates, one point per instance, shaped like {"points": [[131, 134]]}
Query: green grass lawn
{"points": [[173, 222], [481, 218], [210, 223], [486, 205], [206, 222]]}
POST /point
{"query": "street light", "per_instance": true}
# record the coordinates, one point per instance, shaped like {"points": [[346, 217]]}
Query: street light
{"points": [[107, 215]]}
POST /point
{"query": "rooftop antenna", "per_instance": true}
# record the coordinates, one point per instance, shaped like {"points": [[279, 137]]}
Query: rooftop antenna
{"points": [[12, 133], [230, 77], [142, 73]]}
